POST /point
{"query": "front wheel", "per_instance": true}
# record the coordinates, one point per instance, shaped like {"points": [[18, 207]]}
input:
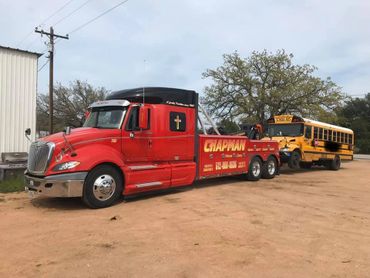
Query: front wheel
{"points": [[269, 168], [255, 169], [294, 160], [103, 186]]}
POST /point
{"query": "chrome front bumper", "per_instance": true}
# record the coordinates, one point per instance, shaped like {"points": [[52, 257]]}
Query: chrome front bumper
{"points": [[62, 185]]}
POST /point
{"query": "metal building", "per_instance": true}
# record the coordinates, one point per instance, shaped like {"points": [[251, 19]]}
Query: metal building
{"points": [[18, 87]]}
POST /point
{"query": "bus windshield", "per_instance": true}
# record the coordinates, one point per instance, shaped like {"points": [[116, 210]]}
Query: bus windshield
{"points": [[106, 117], [285, 130]]}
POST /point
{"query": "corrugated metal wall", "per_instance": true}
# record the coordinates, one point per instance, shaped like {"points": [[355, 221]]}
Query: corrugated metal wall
{"points": [[18, 85]]}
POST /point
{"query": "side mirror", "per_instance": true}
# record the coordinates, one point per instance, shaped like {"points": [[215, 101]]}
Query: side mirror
{"points": [[67, 130], [27, 133], [144, 117]]}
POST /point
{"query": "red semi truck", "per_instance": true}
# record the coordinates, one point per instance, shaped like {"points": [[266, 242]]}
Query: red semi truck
{"points": [[141, 140]]}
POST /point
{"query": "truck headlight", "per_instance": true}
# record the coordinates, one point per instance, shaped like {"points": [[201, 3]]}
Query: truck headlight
{"points": [[285, 149], [66, 166]]}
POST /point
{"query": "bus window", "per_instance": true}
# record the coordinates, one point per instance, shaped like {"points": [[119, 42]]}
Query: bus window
{"points": [[315, 132], [342, 137], [350, 139], [346, 138], [320, 133], [325, 134], [330, 135], [308, 133], [334, 136]]}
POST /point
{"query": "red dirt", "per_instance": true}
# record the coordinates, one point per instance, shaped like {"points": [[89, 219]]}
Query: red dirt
{"points": [[313, 223]]}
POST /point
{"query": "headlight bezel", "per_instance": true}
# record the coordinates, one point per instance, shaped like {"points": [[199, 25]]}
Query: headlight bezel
{"points": [[68, 165]]}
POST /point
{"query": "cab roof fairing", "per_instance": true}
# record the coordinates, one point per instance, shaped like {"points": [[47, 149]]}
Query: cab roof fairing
{"points": [[113, 102]]}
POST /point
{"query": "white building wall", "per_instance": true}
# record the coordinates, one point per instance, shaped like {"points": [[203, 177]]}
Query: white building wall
{"points": [[18, 87]]}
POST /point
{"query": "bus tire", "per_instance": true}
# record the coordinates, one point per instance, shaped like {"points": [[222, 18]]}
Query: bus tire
{"points": [[334, 164], [305, 165], [255, 169], [269, 168], [103, 187], [294, 160]]}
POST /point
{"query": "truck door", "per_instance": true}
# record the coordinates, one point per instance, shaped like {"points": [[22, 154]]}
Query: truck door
{"points": [[135, 142]]}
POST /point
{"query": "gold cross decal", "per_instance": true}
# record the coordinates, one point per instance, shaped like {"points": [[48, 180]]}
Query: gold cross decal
{"points": [[177, 121]]}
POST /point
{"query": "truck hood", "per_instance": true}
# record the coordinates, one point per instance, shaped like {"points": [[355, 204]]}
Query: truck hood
{"points": [[285, 141], [82, 134]]}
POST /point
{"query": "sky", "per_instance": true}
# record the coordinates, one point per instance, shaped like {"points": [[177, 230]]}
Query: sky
{"points": [[171, 43]]}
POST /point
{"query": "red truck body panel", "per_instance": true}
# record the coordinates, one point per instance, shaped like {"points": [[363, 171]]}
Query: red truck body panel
{"points": [[169, 153], [230, 155]]}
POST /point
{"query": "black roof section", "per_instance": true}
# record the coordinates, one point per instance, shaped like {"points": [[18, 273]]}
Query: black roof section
{"points": [[21, 50], [157, 95]]}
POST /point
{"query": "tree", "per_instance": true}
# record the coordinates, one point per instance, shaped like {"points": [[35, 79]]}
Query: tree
{"points": [[267, 84], [228, 126], [355, 114], [70, 105]]}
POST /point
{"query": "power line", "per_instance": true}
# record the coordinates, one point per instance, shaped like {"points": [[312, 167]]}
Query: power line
{"points": [[47, 61], [97, 17], [56, 12], [24, 38], [71, 13], [43, 22]]}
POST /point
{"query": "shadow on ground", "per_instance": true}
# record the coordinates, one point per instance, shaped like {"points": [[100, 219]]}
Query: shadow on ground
{"points": [[58, 203]]}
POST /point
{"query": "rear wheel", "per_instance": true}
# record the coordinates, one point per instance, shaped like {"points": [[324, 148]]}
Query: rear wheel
{"points": [[255, 169], [269, 168], [294, 160], [103, 186], [334, 164]]}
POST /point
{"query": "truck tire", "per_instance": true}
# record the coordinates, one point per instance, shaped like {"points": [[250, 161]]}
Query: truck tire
{"points": [[103, 186], [294, 160], [333, 164], [305, 165], [269, 168], [255, 169]]}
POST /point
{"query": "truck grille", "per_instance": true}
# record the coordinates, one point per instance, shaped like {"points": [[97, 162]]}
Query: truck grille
{"points": [[39, 157]]}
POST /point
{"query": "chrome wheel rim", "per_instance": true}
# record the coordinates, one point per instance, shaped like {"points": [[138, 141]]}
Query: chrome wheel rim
{"points": [[104, 187], [271, 167], [256, 168]]}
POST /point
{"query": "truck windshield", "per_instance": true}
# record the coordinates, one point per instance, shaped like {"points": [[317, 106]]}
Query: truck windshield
{"points": [[285, 130], [106, 117]]}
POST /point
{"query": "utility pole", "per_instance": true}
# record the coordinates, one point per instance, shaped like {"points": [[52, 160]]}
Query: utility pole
{"points": [[51, 36]]}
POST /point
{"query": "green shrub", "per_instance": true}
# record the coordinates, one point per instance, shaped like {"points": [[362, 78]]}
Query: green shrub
{"points": [[12, 185]]}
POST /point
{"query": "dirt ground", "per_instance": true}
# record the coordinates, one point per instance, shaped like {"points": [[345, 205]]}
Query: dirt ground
{"points": [[312, 223]]}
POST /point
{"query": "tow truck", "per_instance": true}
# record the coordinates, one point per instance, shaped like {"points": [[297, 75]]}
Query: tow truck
{"points": [[140, 140]]}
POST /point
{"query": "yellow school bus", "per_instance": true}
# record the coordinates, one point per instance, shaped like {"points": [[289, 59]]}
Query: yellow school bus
{"points": [[304, 142]]}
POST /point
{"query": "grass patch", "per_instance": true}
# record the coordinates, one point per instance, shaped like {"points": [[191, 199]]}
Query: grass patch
{"points": [[12, 185]]}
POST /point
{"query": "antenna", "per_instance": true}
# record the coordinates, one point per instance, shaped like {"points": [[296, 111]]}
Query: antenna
{"points": [[144, 86], [143, 96]]}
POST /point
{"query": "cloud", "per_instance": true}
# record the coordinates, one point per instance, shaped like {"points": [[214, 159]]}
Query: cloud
{"points": [[181, 39]]}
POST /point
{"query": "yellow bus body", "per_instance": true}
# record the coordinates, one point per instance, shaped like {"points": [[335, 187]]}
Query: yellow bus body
{"points": [[318, 143]]}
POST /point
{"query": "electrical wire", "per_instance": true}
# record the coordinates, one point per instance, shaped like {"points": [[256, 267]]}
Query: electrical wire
{"points": [[24, 38], [56, 12], [97, 17], [43, 22], [71, 13], [47, 61]]}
